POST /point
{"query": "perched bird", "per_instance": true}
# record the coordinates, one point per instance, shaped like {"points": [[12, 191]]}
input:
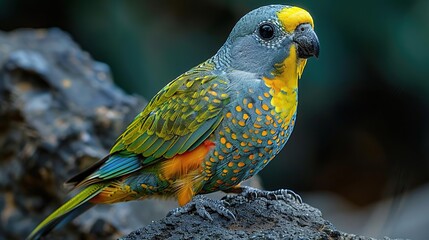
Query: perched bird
{"points": [[212, 127]]}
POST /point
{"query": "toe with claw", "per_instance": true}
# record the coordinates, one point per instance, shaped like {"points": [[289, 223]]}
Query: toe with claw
{"points": [[200, 204], [281, 194]]}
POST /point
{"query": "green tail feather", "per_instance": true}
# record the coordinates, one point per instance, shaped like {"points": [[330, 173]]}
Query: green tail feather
{"points": [[68, 211]]}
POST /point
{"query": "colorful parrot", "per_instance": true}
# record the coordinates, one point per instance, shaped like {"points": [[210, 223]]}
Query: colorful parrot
{"points": [[212, 127]]}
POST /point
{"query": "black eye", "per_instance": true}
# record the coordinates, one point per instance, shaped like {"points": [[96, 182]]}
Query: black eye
{"points": [[266, 31]]}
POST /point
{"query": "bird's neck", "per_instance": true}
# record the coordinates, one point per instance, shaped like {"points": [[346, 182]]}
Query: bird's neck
{"points": [[284, 85]]}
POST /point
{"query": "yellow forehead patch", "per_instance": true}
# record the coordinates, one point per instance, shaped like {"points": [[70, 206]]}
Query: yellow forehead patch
{"points": [[291, 17]]}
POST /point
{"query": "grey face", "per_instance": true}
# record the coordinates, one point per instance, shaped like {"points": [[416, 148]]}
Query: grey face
{"points": [[258, 41]]}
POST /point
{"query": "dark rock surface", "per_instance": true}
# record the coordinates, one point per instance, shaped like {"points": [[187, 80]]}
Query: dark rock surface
{"points": [[59, 112], [256, 219]]}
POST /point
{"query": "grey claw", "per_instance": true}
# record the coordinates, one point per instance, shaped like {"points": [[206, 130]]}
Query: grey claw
{"points": [[200, 204], [281, 194]]}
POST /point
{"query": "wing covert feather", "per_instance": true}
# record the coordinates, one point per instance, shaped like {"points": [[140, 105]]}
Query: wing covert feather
{"points": [[182, 114]]}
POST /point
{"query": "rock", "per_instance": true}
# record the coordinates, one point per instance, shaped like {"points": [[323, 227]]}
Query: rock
{"points": [[256, 219], [60, 111]]}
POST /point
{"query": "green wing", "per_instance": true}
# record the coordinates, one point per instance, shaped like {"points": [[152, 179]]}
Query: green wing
{"points": [[179, 118]]}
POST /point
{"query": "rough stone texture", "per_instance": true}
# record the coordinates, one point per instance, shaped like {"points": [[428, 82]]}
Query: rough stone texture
{"points": [[59, 112], [256, 219]]}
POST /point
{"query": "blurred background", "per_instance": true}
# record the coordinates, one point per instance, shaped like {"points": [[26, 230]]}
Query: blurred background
{"points": [[360, 149]]}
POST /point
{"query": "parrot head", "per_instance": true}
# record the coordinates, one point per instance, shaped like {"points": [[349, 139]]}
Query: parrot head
{"points": [[264, 39]]}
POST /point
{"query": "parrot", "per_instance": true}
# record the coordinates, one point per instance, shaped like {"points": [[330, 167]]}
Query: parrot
{"points": [[209, 129]]}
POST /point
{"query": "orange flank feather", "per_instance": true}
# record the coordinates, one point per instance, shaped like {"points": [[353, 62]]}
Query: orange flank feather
{"points": [[188, 186], [182, 164], [186, 168]]}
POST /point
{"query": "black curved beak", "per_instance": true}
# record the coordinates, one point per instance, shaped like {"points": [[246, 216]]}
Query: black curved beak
{"points": [[307, 41]]}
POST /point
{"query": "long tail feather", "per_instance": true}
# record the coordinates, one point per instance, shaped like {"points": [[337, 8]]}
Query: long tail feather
{"points": [[67, 212]]}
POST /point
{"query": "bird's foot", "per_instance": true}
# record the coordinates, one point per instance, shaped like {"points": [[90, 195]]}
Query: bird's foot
{"points": [[281, 194], [200, 204]]}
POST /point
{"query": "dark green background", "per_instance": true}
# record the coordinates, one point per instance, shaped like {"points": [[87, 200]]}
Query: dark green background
{"points": [[362, 127]]}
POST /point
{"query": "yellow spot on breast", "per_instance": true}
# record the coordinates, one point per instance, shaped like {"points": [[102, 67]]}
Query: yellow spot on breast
{"points": [[230, 164], [225, 171], [236, 170], [251, 156], [234, 179], [241, 164], [245, 116], [228, 145], [257, 111], [243, 144], [245, 136], [250, 105], [267, 95], [234, 136], [222, 140], [241, 123], [238, 108], [265, 107]]}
